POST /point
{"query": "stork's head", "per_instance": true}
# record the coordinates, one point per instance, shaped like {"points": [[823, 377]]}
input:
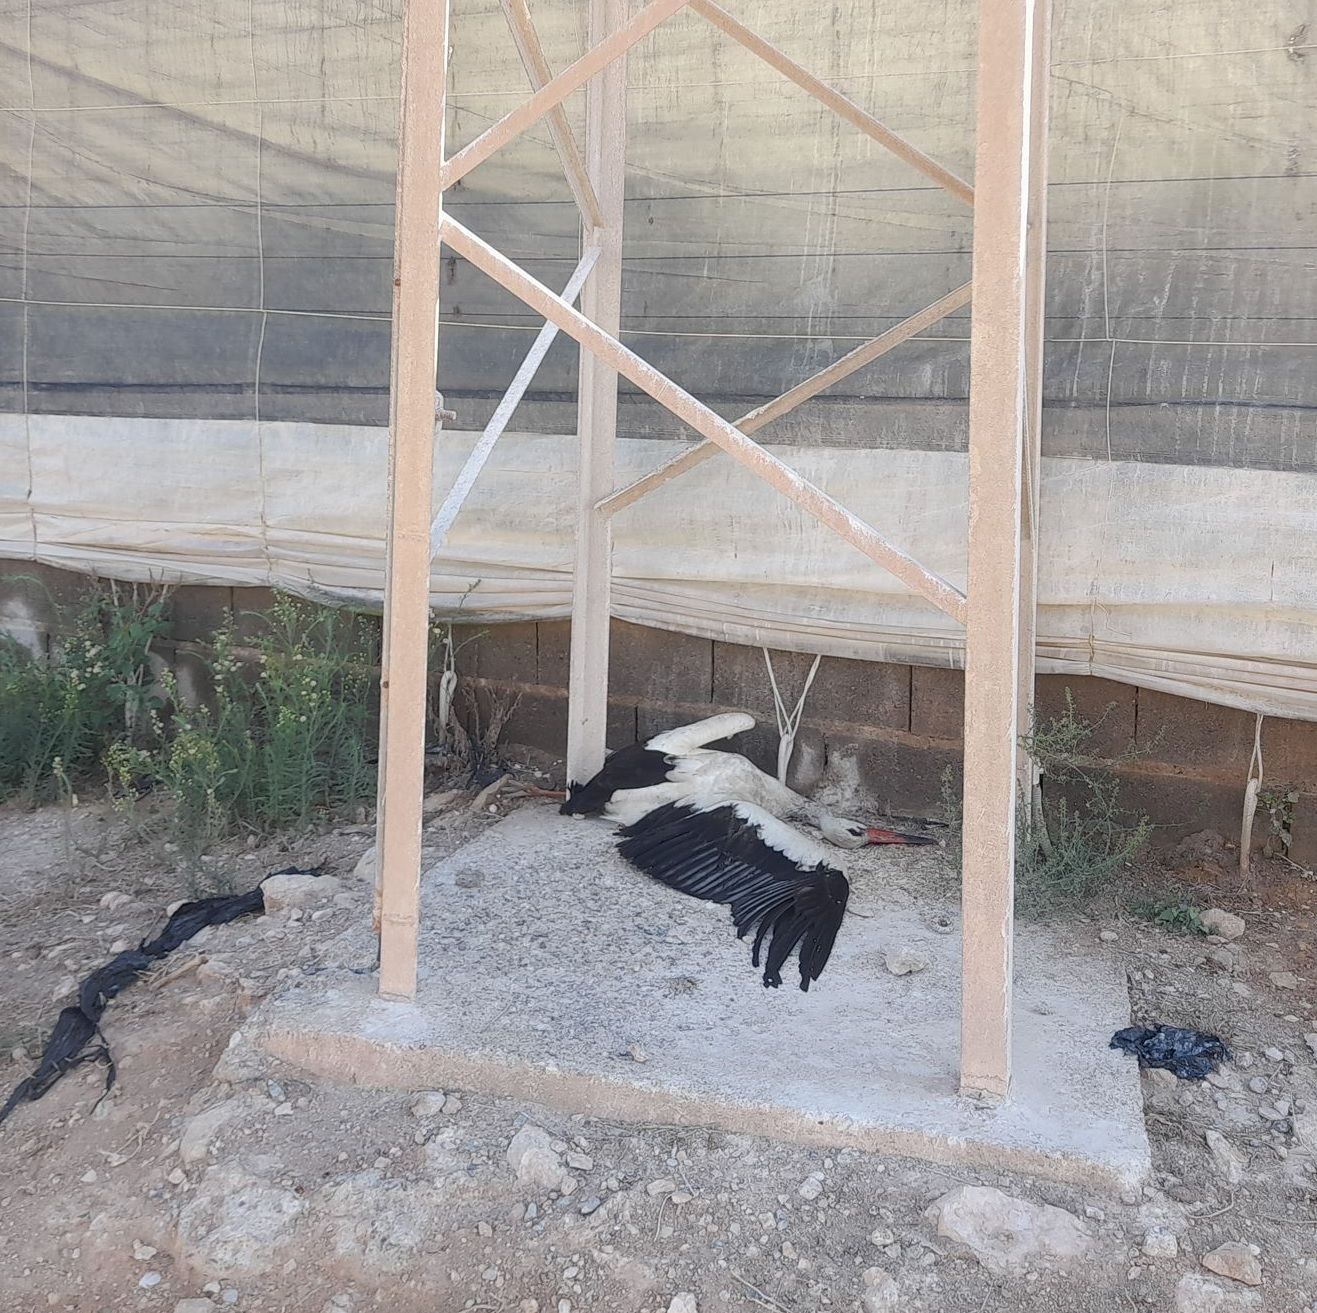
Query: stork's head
{"points": [[855, 834]]}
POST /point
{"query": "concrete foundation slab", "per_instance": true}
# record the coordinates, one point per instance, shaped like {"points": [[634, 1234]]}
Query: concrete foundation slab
{"points": [[552, 971]]}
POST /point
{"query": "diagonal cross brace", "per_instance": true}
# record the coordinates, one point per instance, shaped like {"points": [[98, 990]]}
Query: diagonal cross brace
{"points": [[556, 90], [560, 131], [840, 105], [810, 498], [761, 416], [503, 412]]}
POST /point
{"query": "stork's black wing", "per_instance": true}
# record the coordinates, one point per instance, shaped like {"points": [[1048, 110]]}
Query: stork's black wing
{"points": [[738, 854], [632, 767]]}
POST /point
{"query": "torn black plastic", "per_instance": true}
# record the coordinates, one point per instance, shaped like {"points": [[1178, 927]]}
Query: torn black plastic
{"points": [[1190, 1054], [78, 1025]]}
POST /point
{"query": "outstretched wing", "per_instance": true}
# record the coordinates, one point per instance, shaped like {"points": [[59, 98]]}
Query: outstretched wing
{"points": [[636, 766], [700, 733], [772, 877]]}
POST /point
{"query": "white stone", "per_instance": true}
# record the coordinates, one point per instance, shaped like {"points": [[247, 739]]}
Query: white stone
{"points": [[882, 1237], [144, 1253], [879, 1291], [1217, 921], [288, 891], [580, 1162], [532, 1158], [683, 1303], [663, 1186], [1160, 1244], [1008, 1235], [366, 870], [429, 1104], [114, 899], [810, 1188], [904, 961], [200, 1132], [1284, 980], [1235, 1261], [241, 1061], [194, 1306], [1229, 1162], [1196, 1293], [237, 1225], [1108, 936], [150, 1279]]}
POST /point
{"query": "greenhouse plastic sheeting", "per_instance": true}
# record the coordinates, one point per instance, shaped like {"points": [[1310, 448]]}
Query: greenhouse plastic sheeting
{"points": [[1160, 575]]}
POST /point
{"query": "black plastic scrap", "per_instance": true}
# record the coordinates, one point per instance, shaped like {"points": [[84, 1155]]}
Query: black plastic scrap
{"points": [[79, 1024], [1190, 1054]]}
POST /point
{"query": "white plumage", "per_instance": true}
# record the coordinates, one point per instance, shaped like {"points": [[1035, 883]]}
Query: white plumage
{"points": [[713, 825]]}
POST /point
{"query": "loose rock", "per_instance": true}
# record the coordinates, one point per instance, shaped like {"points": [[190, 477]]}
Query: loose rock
{"points": [[200, 1132], [810, 1188], [904, 961], [879, 1291], [1217, 921], [1160, 1244], [194, 1306], [683, 1303], [237, 1224], [532, 1158], [1236, 1261], [1006, 1234], [287, 891], [429, 1104], [1229, 1162], [1196, 1293]]}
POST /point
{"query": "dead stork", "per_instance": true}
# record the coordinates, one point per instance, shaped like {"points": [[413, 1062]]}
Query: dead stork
{"points": [[712, 825]]}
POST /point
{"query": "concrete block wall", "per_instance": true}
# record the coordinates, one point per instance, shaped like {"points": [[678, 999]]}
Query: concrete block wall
{"points": [[870, 731]]}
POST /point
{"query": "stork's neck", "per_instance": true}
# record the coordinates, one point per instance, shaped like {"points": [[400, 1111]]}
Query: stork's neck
{"points": [[787, 803]]}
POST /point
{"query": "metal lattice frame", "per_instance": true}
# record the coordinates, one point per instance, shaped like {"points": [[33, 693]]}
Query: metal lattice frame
{"points": [[1005, 411]]}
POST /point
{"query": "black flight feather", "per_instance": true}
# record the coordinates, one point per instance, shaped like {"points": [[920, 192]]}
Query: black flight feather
{"points": [[719, 856], [632, 767]]}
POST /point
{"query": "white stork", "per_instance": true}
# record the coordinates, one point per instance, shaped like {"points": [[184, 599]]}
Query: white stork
{"points": [[713, 825]]}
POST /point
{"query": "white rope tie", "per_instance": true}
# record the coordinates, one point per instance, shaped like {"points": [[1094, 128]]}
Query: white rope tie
{"points": [[1252, 788], [788, 722]]}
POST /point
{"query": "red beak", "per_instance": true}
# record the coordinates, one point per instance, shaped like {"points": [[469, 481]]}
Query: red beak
{"points": [[877, 836]]}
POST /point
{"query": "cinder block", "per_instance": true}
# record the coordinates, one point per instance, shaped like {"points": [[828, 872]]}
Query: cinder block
{"points": [[539, 721], [1303, 844], [868, 693], [659, 665], [554, 648], [897, 773], [251, 609], [1290, 751], [1178, 804], [40, 597], [1186, 733], [937, 703], [507, 652], [196, 611]]}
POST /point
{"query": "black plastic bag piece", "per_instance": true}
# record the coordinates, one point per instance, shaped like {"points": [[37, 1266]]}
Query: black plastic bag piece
{"points": [[1190, 1054], [70, 1042]]}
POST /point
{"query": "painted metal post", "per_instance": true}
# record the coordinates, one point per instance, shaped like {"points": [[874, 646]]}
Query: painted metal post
{"points": [[418, 205], [999, 361], [601, 302]]}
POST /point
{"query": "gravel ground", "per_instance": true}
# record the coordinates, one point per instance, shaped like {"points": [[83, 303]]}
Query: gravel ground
{"points": [[214, 1179]]}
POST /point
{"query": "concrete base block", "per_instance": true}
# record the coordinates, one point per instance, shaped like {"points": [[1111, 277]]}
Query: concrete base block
{"points": [[553, 972]]}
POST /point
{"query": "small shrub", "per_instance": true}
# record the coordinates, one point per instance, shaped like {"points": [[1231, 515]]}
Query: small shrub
{"points": [[1081, 836], [1171, 914], [60, 714], [288, 735], [1069, 848]]}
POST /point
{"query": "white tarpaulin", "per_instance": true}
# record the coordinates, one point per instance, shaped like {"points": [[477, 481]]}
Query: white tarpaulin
{"points": [[1199, 581]]}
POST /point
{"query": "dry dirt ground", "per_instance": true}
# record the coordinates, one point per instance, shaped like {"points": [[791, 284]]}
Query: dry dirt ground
{"points": [[245, 1186]]}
